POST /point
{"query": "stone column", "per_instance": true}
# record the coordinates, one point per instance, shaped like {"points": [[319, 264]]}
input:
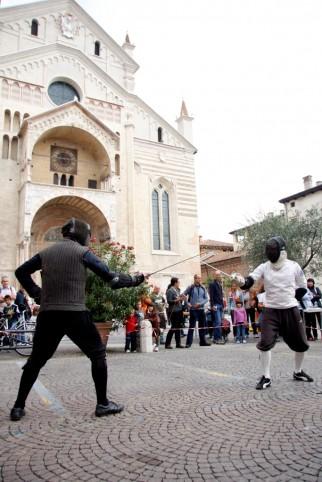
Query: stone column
{"points": [[128, 160]]}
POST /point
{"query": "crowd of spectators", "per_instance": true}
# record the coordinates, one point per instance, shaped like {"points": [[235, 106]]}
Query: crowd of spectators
{"points": [[215, 314]]}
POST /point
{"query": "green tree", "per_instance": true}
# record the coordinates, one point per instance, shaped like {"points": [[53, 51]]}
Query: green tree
{"points": [[302, 233], [105, 303]]}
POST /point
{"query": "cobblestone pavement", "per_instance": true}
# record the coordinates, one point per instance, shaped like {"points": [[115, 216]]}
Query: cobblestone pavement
{"points": [[190, 415]]}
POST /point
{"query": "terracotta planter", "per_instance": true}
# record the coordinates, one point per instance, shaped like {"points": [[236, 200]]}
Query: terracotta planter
{"points": [[104, 329]]}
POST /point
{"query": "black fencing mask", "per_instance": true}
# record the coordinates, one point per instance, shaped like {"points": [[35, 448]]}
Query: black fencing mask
{"points": [[77, 230], [273, 249]]}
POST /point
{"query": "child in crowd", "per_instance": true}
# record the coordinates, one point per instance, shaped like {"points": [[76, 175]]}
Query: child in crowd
{"points": [[240, 320], [34, 311], [131, 326], [225, 329], [153, 317], [139, 313], [10, 312]]}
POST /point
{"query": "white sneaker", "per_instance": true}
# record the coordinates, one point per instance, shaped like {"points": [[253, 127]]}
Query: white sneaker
{"points": [[238, 342], [244, 341], [156, 348], [127, 351]]}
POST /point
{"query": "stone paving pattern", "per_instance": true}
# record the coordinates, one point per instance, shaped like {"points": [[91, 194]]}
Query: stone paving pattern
{"points": [[190, 415]]}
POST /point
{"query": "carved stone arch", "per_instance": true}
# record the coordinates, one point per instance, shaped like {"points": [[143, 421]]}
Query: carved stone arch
{"points": [[50, 216]]}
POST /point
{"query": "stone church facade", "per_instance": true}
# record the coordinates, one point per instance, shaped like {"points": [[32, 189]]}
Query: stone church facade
{"points": [[77, 141]]}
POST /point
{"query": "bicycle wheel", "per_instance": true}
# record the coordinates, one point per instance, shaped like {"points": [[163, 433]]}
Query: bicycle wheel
{"points": [[24, 342]]}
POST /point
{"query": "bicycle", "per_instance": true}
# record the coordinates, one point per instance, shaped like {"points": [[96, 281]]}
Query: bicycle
{"points": [[19, 337]]}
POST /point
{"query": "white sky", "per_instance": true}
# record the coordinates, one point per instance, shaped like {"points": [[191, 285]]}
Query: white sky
{"points": [[250, 72]]}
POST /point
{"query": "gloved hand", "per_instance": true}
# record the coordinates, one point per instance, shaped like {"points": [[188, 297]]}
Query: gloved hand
{"points": [[238, 278], [137, 279], [299, 293]]}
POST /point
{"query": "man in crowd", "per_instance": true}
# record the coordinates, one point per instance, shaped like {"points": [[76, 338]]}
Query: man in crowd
{"points": [[159, 302], [6, 289], [197, 298], [63, 311], [216, 305]]}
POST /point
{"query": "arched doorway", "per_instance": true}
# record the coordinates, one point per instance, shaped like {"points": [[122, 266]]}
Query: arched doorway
{"points": [[48, 220]]}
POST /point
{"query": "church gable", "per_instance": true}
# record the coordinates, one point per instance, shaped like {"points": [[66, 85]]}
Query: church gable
{"points": [[71, 114], [62, 22], [94, 88]]}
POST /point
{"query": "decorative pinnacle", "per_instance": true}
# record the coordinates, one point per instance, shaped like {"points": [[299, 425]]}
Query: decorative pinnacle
{"points": [[184, 110]]}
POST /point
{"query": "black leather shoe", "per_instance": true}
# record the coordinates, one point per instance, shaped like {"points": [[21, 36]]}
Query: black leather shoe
{"points": [[180, 346], [168, 347], [188, 346], [110, 409], [17, 413], [205, 344]]}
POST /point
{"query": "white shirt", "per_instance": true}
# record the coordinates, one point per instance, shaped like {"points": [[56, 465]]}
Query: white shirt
{"points": [[261, 297], [8, 291], [280, 284]]}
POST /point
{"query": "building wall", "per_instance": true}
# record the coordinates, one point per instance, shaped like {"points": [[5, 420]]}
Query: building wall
{"points": [[304, 203], [232, 265], [27, 67]]}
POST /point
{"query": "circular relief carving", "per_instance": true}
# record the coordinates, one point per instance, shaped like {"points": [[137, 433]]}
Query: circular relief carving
{"points": [[63, 159]]}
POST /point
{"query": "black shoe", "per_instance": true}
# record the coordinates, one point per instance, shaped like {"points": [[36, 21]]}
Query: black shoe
{"points": [[179, 346], [263, 383], [188, 346], [110, 409], [302, 377], [205, 344], [17, 413], [168, 347]]}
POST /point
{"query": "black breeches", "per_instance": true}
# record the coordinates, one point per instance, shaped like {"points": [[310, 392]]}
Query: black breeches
{"points": [[50, 329]]}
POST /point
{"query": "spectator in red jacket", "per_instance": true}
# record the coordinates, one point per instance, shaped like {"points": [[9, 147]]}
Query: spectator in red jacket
{"points": [[131, 327]]}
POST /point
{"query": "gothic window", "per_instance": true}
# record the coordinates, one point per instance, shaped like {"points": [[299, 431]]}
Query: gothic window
{"points": [[97, 48], [14, 149], [166, 221], [156, 220], [5, 147], [7, 120], [117, 165], [26, 94], [161, 219], [63, 180], [37, 95], [60, 92], [160, 134], [16, 121], [34, 27], [5, 89], [56, 179], [71, 181], [15, 91]]}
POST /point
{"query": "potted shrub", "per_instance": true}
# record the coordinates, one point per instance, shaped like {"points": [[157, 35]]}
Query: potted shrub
{"points": [[109, 307]]}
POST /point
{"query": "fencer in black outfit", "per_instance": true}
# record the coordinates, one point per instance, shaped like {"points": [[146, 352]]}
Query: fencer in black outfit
{"points": [[63, 311]]}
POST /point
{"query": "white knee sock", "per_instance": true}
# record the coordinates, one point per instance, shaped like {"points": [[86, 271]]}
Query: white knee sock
{"points": [[265, 357], [298, 359]]}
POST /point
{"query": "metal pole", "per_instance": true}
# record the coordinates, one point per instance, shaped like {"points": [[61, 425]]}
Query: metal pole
{"points": [[216, 269], [174, 264]]}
